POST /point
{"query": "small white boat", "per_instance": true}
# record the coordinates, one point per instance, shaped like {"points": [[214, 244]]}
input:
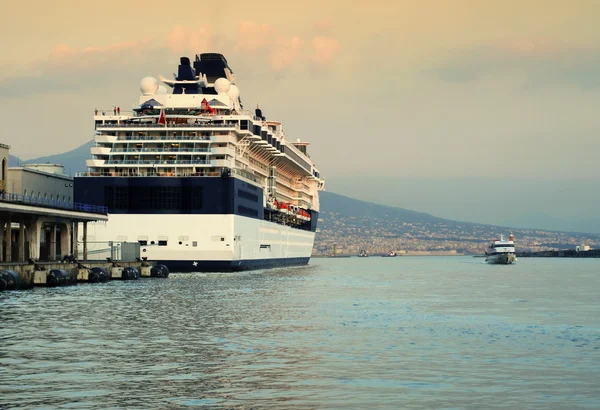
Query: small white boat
{"points": [[501, 251]]}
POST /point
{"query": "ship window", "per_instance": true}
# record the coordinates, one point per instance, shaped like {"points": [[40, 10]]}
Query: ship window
{"points": [[243, 210], [143, 243], [247, 195], [194, 243], [162, 243]]}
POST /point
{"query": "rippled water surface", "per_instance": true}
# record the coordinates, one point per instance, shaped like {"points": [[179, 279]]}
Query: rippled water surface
{"points": [[406, 332]]}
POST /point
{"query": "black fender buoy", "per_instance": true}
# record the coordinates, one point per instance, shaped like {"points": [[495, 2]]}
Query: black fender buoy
{"points": [[97, 275], [57, 277], [130, 273], [159, 271], [9, 280]]}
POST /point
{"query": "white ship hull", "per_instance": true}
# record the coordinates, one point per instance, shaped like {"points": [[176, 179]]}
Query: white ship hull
{"points": [[188, 243], [501, 259]]}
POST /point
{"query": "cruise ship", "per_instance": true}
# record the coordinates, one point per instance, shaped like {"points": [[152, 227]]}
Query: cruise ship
{"points": [[198, 181], [501, 251]]}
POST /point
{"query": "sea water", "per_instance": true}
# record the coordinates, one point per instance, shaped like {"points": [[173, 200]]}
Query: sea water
{"points": [[348, 333]]}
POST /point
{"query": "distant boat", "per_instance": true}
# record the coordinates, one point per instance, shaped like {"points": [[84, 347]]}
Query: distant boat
{"points": [[363, 254], [390, 254], [501, 251]]}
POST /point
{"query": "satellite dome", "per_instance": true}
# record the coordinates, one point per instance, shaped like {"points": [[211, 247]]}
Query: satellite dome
{"points": [[233, 92], [161, 90], [149, 86], [222, 85]]}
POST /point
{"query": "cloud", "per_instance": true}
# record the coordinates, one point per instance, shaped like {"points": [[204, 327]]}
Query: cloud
{"points": [[324, 49], [257, 47], [323, 26], [540, 64], [286, 53], [253, 36], [67, 69], [184, 38]]}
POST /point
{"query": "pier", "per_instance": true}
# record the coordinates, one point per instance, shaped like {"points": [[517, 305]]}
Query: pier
{"points": [[20, 276], [39, 246], [36, 219], [566, 253]]}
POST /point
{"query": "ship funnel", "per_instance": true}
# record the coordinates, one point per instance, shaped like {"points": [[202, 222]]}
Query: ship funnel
{"points": [[258, 113]]}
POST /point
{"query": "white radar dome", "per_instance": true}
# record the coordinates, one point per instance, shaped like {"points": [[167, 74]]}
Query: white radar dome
{"points": [[222, 85], [161, 90], [233, 92], [149, 86]]}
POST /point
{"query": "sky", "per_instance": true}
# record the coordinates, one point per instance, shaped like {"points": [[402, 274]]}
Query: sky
{"points": [[502, 92]]}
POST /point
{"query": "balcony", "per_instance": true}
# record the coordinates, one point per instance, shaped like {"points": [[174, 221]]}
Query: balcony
{"points": [[145, 126], [158, 162], [105, 139], [168, 150], [223, 151], [100, 150], [220, 163], [94, 162]]}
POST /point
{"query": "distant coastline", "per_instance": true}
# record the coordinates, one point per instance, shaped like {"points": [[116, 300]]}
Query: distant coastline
{"points": [[567, 253], [399, 253]]}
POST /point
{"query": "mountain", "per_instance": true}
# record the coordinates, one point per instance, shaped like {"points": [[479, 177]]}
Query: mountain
{"points": [[73, 161], [350, 225], [349, 207], [14, 161]]}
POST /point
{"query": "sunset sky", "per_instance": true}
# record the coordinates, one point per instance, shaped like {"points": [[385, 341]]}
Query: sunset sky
{"points": [[409, 89]]}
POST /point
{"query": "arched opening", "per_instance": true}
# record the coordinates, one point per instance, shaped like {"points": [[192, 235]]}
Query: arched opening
{"points": [[3, 175]]}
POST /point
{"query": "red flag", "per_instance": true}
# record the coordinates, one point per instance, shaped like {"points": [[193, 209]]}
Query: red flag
{"points": [[162, 119], [205, 107]]}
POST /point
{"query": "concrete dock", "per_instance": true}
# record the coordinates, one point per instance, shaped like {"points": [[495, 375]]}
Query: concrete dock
{"points": [[18, 276]]}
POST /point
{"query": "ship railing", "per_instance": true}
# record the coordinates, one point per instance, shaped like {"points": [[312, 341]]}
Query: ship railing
{"points": [[145, 174], [165, 150], [150, 162], [245, 174], [169, 126], [164, 138], [53, 203], [112, 113]]}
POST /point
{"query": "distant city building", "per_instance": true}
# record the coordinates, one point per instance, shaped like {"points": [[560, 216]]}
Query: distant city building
{"points": [[582, 248], [40, 181]]}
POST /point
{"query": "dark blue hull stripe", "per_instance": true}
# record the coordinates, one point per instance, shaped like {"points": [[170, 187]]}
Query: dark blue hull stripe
{"points": [[231, 266]]}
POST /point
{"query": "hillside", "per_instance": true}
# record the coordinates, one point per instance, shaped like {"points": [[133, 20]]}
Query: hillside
{"points": [[74, 160], [351, 224], [349, 207]]}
